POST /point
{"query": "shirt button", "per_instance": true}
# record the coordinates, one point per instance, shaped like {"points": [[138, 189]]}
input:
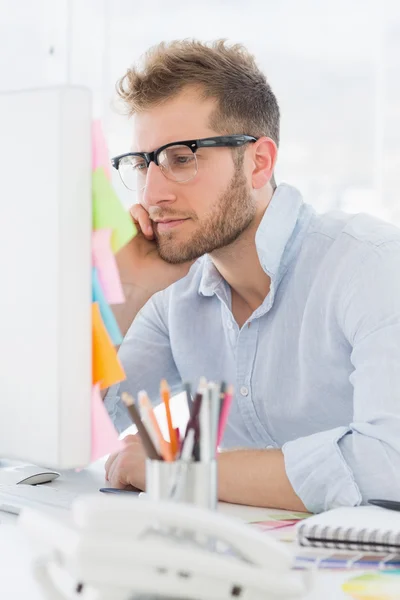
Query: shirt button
{"points": [[244, 390], [229, 325]]}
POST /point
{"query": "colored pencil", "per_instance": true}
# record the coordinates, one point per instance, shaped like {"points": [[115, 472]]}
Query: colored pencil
{"points": [[148, 445], [164, 390], [225, 412], [165, 448]]}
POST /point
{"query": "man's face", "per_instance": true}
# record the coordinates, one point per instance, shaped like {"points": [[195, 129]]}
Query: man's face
{"points": [[211, 210]]}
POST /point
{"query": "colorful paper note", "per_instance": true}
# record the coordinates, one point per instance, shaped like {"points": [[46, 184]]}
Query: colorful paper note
{"points": [[374, 586], [106, 265], [269, 525], [108, 212], [106, 312], [100, 157], [290, 516], [106, 367], [104, 436]]}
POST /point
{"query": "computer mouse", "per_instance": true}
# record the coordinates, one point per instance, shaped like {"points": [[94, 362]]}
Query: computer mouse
{"points": [[27, 475]]}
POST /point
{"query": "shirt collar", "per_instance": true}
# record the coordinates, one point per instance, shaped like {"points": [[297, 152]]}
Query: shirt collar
{"points": [[276, 228], [272, 237]]}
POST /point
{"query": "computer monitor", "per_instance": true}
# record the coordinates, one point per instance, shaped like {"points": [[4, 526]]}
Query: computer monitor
{"points": [[45, 276]]}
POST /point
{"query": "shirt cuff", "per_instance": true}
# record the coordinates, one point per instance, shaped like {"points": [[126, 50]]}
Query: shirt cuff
{"points": [[318, 472], [116, 409]]}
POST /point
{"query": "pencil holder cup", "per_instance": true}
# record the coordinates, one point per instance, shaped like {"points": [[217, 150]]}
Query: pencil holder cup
{"points": [[179, 481]]}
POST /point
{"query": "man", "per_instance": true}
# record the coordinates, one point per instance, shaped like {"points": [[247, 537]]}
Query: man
{"points": [[238, 280]]}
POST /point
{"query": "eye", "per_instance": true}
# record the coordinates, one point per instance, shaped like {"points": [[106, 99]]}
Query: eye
{"points": [[183, 159], [135, 164], [138, 164], [177, 157], [141, 166]]}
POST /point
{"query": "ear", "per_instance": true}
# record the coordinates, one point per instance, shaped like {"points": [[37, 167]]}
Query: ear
{"points": [[265, 153]]}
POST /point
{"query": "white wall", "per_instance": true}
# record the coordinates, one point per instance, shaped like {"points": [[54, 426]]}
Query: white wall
{"points": [[333, 65]]}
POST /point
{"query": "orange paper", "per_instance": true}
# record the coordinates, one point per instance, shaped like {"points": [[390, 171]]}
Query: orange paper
{"points": [[106, 367]]}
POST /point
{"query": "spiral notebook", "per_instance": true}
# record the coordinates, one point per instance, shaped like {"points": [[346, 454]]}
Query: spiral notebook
{"points": [[362, 528]]}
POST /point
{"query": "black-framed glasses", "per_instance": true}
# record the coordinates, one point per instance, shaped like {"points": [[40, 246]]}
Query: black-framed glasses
{"points": [[177, 160]]}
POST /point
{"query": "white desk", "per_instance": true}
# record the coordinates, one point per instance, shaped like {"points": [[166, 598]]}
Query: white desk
{"points": [[17, 583]]}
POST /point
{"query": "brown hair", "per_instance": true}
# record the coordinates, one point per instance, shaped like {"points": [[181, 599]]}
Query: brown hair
{"points": [[246, 103]]}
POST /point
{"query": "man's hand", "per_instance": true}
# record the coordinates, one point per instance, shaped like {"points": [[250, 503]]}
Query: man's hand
{"points": [[245, 476], [155, 273], [126, 468], [142, 270]]}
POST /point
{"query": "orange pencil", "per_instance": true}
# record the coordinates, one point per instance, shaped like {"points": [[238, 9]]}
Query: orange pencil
{"points": [[165, 448], [164, 390]]}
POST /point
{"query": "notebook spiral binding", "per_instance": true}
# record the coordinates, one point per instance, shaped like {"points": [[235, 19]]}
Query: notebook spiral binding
{"points": [[348, 538]]}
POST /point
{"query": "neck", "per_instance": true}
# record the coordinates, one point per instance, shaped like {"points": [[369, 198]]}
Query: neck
{"points": [[240, 266]]}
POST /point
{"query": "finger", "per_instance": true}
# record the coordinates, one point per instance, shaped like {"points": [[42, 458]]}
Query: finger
{"points": [[110, 460], [120, 473], [142, 219], [114, 475], [130, 439]]}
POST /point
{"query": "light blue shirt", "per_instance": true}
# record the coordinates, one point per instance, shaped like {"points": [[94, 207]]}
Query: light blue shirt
{"points": [[316, 368]]}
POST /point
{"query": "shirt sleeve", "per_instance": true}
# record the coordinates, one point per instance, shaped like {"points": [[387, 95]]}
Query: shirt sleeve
{"points": [[146, 357], [347, 465]]}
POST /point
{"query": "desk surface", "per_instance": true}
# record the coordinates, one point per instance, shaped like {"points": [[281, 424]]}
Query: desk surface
{"points": [[16, 553]]}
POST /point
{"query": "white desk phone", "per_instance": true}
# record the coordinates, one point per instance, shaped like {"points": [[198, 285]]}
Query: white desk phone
{"points": [[116, 547]]}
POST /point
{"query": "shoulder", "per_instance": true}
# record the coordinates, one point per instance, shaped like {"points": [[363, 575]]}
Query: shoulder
{"points": [[341, 242], [361, 228]]}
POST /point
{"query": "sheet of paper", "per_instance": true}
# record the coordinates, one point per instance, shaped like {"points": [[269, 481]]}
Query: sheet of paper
{"points": [[106, 366], [100, 156], [104, 435], [374, 586], [108, 212], [106, 265], [269, 525], [106, 312]]}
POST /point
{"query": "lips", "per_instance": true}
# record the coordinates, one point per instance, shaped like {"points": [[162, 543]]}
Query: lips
{"points": [[169, 224]]}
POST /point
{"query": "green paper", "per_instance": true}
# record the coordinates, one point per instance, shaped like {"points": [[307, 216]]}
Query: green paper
{"points": [[290, 516], [108, 212]]}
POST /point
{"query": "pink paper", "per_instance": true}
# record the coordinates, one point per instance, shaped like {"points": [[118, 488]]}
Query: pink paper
{"points": [[104, 435], [268, 525], [105, 263], [100, 157]]}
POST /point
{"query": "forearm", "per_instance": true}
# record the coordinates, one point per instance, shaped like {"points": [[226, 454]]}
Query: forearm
{"points": [[256, 478], [134, 285], [135, 298]]}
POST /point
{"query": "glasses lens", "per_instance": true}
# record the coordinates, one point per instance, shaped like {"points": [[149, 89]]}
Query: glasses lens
{"points": [[133, 172], [178, 163]]}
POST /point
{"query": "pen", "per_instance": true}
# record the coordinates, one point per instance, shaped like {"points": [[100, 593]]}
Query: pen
{"points": [[129, 402], [147, 422], [165, 448], [222, 391], [391, 504], [224, 413], [172, 434], [188, 394], [205, 426], [216, 402], [194, 416]]}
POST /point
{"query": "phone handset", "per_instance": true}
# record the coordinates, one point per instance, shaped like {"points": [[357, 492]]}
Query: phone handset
{"points": [[102, 514], [118, 545]]}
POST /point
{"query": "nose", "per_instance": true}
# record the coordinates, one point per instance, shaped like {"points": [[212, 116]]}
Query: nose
{"points": [[157, 189]]}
